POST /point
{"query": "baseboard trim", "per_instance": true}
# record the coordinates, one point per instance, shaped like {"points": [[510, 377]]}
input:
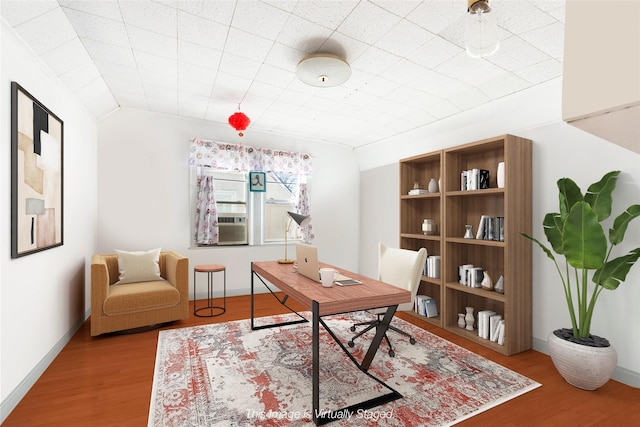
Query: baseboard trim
{"points": [[622, 375], [12, 400]]}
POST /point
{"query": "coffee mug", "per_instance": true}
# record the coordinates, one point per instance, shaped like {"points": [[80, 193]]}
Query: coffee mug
{"points": [[327, 276]]}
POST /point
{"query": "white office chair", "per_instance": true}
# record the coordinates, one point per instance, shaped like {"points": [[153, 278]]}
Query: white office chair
{"points": [[401, 268]]}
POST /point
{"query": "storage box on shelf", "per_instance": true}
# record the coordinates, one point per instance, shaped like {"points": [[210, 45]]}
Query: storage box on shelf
{"points": [[456, 208], [414, 209]]}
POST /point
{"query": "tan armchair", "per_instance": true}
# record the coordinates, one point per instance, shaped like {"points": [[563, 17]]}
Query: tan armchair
{"points": [[132, 305]]}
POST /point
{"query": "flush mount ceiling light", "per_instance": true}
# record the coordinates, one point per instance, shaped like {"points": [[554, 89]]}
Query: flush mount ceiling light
{"points": [[323, 70], [481, 38]]}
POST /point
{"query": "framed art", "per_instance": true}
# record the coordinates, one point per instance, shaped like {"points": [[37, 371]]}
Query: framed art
{"points": [[257, 181], [36, 175]]}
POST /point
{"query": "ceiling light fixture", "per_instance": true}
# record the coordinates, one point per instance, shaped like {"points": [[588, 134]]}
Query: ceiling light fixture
{"points": [[239, 121], [481, 38], [323, 70]]}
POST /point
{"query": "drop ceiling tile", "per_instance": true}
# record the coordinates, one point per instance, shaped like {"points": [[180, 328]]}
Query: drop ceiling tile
{"points": [[216, 11], [47, 31], [109, 52], [97, 97], [239, 66], [97, 28], [237, 85], [275, 76], [361, 98], [66, 57], [420, 117], [400, 8], [167, 80], [303, 35], [404, 38], [190, 105], [151, 16], [18, 12], [110, 70], [448, 87], [328, 14], [515, 54], [109, 9], [295, 97], [155, 64], [434, 52], [126, 89], [404, 71], [375, 61], [473, 71], [347, 47], [414, 98], [202, 56], [247, 45], [265, 90], [504, 85], [195, 80], [379, 86], [442, 110], [541, 72], [201, 31], [259, 18], [284, 57], [360, 23], [519, 16], [80, 75], [549, 39], [469, 99], [436, 16], [152, 43]]}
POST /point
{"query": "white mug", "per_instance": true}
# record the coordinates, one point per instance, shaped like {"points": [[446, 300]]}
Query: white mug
{"points": [[327, 276]]}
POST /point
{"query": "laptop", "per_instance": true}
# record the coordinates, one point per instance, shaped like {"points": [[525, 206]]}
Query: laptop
{"points": [[308, 266]]}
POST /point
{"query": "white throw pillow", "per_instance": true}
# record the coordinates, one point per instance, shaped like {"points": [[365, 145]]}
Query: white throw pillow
{"points": [[139, 266]]}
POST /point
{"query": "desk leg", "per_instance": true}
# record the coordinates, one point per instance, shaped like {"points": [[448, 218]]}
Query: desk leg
{"points": [[252, 274], [315, 360], [380, 331]]}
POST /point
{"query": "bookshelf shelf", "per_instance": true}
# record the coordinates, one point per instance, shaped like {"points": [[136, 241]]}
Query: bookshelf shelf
{"points": [[452, 209]]}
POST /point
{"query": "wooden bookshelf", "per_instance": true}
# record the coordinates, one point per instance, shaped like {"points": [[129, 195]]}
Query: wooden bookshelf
{"points": [[453, 208]]}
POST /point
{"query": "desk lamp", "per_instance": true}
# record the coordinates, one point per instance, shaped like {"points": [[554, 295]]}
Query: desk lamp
{"points": [[301, 220]]}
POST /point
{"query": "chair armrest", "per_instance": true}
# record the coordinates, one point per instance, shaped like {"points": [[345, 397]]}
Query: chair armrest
{"points": [[99, 280], [177, 271]]}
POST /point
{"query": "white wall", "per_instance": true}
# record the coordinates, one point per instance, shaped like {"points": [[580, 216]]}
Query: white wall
{"points": [[143, 187], [44, 296], [559, 150]]}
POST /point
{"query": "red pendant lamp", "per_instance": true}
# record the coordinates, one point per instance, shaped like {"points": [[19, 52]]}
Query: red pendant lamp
{"points": [[239, 121]]}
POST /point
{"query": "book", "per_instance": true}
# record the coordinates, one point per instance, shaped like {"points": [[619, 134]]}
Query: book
{"points": [[501, 332], [483, 323], [430, 308], [417, 191], [494, 323]]}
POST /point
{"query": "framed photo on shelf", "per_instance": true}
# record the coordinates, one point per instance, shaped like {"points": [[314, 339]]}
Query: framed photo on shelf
{"points": [[257, 182], [36, 175]]}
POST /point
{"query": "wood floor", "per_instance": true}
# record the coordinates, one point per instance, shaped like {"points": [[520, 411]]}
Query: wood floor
{"points": [[106, 381]]}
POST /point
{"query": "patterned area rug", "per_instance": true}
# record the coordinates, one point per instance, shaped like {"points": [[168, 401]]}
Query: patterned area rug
{"points": [[227, 375]]}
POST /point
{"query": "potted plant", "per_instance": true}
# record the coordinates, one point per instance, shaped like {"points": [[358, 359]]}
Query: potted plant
{"points": [[577, 234]]}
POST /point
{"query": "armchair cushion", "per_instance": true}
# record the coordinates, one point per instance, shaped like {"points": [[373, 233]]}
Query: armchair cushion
{"points": [[141, 296], [139, 266]]}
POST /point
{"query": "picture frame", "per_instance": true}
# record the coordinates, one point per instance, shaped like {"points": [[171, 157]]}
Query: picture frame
{"points": [[37, 141], [257, 182]]}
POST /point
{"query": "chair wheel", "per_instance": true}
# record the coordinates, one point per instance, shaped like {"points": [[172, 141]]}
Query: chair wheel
{"points": [[352, 329], [412, 341], [350, 344], [392, 353]]}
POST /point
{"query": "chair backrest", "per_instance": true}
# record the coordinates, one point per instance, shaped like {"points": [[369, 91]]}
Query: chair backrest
{"points": [[401, 268]]}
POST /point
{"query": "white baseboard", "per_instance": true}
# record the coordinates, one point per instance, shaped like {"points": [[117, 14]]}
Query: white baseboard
{"points": [[12, 400], [622, 375]]}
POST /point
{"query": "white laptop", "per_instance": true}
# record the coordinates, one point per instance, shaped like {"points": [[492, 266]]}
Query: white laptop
{"points": [[308, 266]]}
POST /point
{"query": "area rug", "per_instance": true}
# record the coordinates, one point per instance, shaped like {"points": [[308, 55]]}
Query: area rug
{"points": [[228, 375]]}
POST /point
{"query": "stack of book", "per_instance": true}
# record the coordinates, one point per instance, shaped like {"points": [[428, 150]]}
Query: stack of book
{"points": [[432, 267], [416, 191], [474, 179], [491, 326], [491, 228], [425, 306]]}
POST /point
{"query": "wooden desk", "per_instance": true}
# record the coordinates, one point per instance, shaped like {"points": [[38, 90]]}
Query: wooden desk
{"points": [[334, 300]]}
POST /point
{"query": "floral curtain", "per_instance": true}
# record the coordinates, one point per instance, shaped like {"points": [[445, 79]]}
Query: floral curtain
{"points": [[302, 207], [206, 224], [244, 158]]}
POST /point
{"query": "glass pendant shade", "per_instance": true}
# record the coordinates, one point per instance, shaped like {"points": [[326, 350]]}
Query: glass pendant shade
{"points": [[481, 37]]}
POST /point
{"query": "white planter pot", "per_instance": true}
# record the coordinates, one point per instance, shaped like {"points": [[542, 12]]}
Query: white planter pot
{"points": [[582, 366]]}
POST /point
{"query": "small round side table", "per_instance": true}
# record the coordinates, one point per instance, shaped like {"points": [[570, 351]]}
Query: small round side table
{"points": [[210, 269]]}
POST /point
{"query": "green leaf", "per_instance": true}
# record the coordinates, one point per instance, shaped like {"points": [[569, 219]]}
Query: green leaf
{"points": [[542, 246], [552, 225], [599, 195], [616, 234], [569, 194], [613, 273], [583, 239]]}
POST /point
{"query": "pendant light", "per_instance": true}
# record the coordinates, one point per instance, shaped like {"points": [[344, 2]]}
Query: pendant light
{"points": [[239, 121], [481, 38]]}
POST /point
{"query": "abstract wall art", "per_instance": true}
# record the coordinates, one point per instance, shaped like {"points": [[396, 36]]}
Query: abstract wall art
{"points": [[36, 175]]}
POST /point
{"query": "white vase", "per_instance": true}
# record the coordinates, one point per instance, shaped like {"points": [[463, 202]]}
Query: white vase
{"points": [[433, 186], [582, 366], [461, 321], [469, 319], [500, 175]]}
